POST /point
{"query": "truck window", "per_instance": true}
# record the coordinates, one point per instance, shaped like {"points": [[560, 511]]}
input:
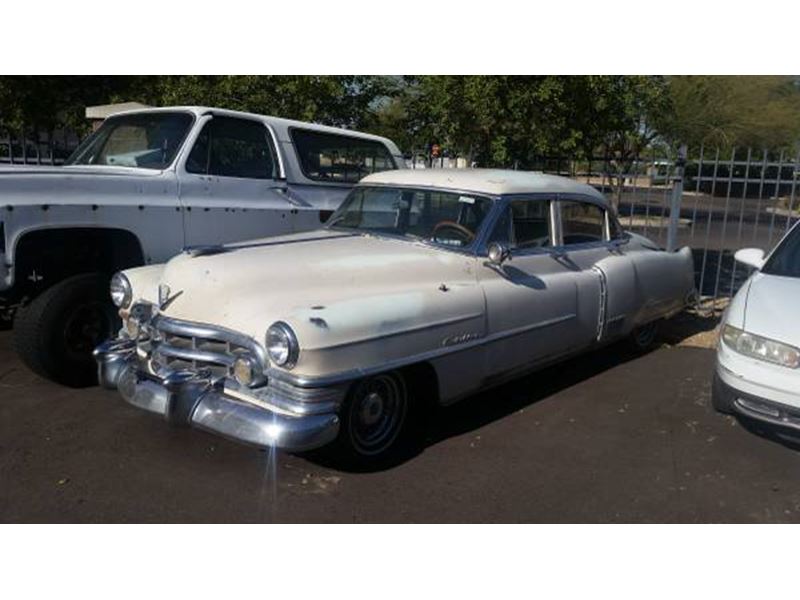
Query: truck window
{"points": [[147, 140], [339, 158], [232, 147]]}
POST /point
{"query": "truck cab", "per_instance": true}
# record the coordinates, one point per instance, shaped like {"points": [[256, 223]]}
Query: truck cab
{"points": [[147, 184]]}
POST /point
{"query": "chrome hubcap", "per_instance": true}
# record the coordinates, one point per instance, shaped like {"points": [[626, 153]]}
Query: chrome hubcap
{"points": [[378, 411]]}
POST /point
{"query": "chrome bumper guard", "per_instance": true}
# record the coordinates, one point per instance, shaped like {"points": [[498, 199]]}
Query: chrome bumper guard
{"points": [[195, 399]]}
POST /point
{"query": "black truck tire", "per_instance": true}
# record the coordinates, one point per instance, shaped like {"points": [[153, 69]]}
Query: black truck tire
{"points": [[55, 334]]}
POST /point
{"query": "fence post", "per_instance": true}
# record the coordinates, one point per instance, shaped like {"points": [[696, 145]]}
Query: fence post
{"points": [[677, 197]]}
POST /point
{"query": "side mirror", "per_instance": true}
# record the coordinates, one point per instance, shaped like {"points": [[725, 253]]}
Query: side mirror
{"points": [[752, 257], [498, 253]]}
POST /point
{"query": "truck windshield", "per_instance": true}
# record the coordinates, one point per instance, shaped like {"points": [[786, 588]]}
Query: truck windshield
{"points": [[443, 218], [785, 261], [145, 140]]}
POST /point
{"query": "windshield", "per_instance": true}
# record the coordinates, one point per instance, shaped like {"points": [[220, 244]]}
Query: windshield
{"points": [[145, 140], [445, 218], [785, 261]]}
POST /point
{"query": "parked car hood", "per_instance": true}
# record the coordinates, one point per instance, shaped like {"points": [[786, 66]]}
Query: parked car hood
{"points": [[772, 306], [332, 287]]}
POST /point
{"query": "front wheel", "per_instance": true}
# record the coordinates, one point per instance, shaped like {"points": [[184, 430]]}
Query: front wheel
{"points": [[376, 420], [56, 333]]}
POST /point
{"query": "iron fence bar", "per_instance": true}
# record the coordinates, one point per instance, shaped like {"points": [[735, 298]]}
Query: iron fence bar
{"points": [[633, 194], [708, 227], [761, 193], [794, 189], [775, 204], [697, 190], [648, 194], [724, 229], [744, 198], [662, 231], [741, 220]]}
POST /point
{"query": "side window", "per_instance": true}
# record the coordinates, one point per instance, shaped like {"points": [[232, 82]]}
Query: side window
{"points": [[582, 222], [233, 148], [339, 158], [524, 224]]}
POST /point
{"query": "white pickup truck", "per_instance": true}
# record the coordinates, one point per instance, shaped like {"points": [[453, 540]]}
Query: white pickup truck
{"points": [[145, 185]]}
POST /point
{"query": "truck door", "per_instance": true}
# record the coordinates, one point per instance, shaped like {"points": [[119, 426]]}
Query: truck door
{"points": [[230, 184]]}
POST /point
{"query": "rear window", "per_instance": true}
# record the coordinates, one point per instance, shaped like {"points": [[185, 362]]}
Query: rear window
{"points": [[339, 158]]}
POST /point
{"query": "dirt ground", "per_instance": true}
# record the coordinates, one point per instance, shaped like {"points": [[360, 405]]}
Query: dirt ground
{"points": [[607, 437]]}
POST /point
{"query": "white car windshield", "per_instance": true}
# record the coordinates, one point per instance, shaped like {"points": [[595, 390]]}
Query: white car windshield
{"points": [[144, 140], [445, 218], [785, 261]]}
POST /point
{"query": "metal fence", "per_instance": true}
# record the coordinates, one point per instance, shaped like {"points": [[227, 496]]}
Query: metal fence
{"points": [[43, 149], [727, 201]]}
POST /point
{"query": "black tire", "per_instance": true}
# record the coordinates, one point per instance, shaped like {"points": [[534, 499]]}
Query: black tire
{"points": [[644, 338], [55, 334], [720, 399], [379, 423]]}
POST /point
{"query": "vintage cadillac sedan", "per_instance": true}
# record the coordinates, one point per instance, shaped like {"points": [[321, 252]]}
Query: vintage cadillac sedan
{"points": [[423, 286]]}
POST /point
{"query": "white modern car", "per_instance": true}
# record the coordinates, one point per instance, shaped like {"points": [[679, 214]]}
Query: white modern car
{"points": [[758, 356]]}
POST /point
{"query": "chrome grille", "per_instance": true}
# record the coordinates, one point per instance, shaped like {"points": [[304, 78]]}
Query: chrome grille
{"points": [[175, 344]]}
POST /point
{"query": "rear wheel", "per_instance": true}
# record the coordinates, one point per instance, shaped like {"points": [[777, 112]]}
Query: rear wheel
{"points": [[55, 334], [644, 337]]}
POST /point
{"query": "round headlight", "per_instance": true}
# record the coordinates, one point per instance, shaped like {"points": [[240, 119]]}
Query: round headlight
{"points": [[282, 346], [121, 292]]}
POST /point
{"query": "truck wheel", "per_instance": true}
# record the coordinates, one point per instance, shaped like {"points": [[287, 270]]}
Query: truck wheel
{"points": [[644, 337], [55, 334], [377, 420]]}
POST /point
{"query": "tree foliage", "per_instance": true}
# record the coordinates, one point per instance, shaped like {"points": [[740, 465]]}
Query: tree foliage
{"points": [[511, 120], [491, 120], [724, 111]]}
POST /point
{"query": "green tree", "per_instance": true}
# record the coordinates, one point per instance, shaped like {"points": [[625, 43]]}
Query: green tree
{"points": [[725, 111], [333, 100]]}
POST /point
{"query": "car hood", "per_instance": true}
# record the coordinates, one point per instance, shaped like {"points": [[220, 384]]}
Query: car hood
{"points": [[772, 308], [333, 288]]}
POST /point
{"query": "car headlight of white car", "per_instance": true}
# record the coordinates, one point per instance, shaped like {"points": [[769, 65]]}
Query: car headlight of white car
{"points": [[282, 346], [760, 348], [121, 291]]}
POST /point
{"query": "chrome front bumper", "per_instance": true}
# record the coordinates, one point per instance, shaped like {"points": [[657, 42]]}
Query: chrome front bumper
{"points": [[194, 398]]}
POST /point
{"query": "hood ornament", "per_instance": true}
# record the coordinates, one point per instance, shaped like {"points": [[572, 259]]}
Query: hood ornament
{"points": [[164, 299]]}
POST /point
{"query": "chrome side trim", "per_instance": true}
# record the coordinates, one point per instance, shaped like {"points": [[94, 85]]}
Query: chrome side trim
{"points": [[384, 336], [601, 317], [348, 376]]}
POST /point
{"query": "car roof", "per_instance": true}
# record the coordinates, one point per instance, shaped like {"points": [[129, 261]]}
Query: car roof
{"points": [[494, 182], [280, 125]]}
